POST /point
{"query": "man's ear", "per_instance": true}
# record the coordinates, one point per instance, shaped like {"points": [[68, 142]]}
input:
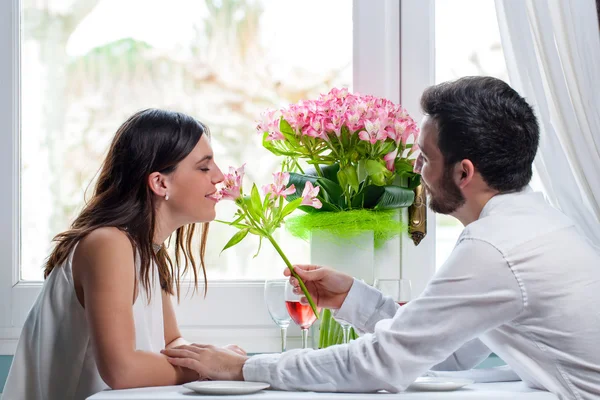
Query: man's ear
{"points": [[157, 183], [464, 173]]}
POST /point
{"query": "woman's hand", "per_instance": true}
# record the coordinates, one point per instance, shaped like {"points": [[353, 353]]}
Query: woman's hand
{"points": [[210, 362], [235, 348]]}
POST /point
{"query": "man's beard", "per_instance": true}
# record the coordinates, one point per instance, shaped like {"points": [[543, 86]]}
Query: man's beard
{"points": [[447, 197]]}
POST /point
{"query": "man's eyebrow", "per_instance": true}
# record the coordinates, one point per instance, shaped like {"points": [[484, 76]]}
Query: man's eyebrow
{"points": [[205, 158]]}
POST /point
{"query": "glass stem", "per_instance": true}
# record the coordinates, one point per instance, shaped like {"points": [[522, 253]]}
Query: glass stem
{"points": [[346, 333], [283, 338], [304, 338]]}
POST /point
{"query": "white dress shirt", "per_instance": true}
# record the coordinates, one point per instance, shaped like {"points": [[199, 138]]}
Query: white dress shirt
{"points": [[521, 282]]}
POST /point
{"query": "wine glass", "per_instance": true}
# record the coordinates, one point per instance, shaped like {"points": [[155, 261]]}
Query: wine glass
{"points": [[345, 331], [398, 289], [275, 300], [301, 313]]}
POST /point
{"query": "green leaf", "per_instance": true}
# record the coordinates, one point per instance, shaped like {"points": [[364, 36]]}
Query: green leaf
{"points": [[375, 167], [235, 239], [266, 201], [378, 172], [388, 147], [388, 197], [250, 207], [290, 207], [403, 166], [345, 137], [333, 192], [329, 171], [288, 132], [352, 176], [299, 180], [342, 178], [414, 181], [285, 127], [255, 199]]}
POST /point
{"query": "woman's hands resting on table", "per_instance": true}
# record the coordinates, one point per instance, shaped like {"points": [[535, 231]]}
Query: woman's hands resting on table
{"points": [[328, 288]]}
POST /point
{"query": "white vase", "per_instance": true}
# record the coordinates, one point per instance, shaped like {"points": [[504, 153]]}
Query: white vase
{"points": [[354, 256]]}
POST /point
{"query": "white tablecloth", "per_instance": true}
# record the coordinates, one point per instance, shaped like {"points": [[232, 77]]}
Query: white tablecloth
{"points": [[498, 390]]}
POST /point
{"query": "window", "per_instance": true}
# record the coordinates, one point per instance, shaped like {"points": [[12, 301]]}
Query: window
{"points": [[464, 45], [467, 43], [223, 62], [68, 82]]}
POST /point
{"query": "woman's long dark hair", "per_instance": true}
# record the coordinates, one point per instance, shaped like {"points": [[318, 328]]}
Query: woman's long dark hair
{"points": [[149, 141]]}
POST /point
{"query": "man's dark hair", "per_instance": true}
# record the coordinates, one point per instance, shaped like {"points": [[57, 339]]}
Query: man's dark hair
{"points": [[484, 120]]}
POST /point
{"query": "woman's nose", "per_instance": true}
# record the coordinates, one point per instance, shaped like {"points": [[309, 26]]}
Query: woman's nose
{"points": [[219, 177]]}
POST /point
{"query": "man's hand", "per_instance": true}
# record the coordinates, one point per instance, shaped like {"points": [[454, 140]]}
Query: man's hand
{"points": [[327, 287], [210, 362]]}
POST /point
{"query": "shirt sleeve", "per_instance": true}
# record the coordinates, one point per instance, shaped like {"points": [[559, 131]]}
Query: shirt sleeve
{"points": [[473, 292], [364, 307], [470, 355]]}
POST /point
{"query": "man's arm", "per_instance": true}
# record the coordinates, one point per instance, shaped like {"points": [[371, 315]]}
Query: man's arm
{"points": [[470, 355], [364, 307], [475, 291]]}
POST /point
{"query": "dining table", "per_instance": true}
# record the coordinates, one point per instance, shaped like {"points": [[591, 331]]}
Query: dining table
{"points": [[494, 390]]}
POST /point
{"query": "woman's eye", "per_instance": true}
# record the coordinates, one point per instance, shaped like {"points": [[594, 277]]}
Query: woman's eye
{"points": [[205, 169]]}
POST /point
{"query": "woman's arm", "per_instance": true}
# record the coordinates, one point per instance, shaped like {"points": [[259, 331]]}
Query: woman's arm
{"points": [[172, 334], [104, 273]]}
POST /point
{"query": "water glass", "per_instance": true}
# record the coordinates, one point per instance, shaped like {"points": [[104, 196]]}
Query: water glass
{"points": [[275, 300], [400, 290]]}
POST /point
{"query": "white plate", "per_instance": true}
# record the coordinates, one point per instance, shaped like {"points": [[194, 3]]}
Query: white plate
{"points": [[438, 384], [226, 387]]}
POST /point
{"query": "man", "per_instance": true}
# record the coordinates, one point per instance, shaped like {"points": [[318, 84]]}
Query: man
{"points": [[521, 281]]}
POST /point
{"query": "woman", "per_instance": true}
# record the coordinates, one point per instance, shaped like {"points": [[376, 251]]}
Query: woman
{"points": [[104, 312]]}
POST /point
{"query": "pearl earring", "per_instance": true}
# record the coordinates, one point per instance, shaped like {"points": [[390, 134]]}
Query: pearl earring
{"points": [[167, 196]]}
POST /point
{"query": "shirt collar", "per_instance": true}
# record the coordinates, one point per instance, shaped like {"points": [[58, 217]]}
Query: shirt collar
{"points": [[502, 198]]}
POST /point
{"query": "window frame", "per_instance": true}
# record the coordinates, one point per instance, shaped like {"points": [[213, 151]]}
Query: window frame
{"points": [[383, 30]]}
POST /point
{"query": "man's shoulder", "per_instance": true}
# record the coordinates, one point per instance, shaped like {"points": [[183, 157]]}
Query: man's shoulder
{"points": [[512, 227]]}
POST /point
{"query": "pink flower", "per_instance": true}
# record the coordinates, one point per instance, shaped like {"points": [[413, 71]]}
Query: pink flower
{"points": [[279, 187], [334, 123], [309, 196], [270, 123], [374, 131], [231, 185], [390, 160], [411, 130], [315, 128], [354, 120]]}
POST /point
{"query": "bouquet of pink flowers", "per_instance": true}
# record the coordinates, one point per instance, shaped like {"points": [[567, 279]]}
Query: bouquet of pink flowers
{"points": [[361, 154], [359, 146], [261, 216]]}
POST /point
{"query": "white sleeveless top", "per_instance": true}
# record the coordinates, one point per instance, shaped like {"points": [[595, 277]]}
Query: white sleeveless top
{"points": [[55, 354]]}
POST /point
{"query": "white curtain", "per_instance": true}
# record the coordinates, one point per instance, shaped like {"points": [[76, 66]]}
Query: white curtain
{"points": [[552, 50]]}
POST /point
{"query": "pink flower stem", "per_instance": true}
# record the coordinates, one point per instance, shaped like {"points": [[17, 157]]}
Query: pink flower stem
{"points": [[294, 274], [319, 171]]}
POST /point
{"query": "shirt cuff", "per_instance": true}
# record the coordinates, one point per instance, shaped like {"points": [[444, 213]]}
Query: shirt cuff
{"points": [[257, 368], [360, 304]]}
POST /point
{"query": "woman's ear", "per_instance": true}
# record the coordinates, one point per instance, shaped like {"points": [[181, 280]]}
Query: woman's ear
{"points": [[465, 170], [157, 183]]}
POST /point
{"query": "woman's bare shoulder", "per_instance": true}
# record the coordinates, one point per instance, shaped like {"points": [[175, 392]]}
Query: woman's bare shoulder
{"points": [[108, 246]]}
